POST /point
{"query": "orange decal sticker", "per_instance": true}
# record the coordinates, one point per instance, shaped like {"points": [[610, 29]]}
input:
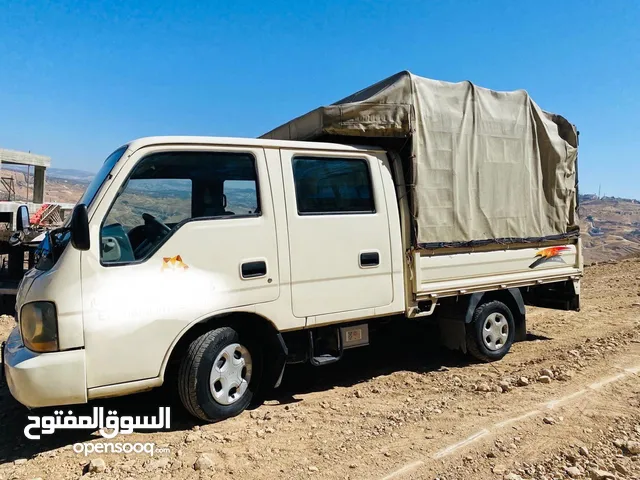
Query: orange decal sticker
{"points": [[173, 263], [551, 254]]}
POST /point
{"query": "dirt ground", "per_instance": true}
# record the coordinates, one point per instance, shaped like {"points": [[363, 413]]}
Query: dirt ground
{"points": [[563, 404]]}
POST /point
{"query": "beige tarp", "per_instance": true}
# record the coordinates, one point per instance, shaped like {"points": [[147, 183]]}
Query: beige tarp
{"points": [[481, 165]]}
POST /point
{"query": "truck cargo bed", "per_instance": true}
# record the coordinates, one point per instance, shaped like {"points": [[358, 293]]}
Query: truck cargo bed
{"points": [[443, 275]]}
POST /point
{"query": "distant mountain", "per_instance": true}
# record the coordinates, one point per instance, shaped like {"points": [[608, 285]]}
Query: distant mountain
{"points": [[593, 196], [80, 176], [71, 174]]}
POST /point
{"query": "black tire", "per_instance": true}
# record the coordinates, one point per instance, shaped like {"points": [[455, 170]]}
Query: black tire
{"points": [[476, 344], [195, 370]]}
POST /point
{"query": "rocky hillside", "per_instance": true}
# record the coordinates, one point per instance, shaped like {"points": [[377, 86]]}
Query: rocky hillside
{"points": [[57, 189], [610, 227]]}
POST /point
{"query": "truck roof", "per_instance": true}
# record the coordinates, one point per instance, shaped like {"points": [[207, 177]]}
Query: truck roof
{"points": [[246, 142]]}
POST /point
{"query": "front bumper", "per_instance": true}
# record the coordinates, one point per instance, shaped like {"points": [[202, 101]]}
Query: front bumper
{"points": [[44, 379]]}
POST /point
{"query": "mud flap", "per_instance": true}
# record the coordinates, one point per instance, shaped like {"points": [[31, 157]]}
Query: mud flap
{"points": [[275, 356], [452, 333], [281, 360], [452, 322]]}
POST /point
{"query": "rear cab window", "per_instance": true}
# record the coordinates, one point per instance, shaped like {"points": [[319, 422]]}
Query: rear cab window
{"points": [[330, 186]]}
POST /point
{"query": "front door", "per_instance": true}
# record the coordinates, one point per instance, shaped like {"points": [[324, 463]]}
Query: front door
{"points": [[189, 232], [340, 246]]}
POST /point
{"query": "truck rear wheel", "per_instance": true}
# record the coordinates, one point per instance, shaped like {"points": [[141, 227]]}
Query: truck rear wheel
{"points": [[491, 332], [219, 374]]}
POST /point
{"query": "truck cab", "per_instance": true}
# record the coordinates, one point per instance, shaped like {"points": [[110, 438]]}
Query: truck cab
{"points": [[178, 235]]}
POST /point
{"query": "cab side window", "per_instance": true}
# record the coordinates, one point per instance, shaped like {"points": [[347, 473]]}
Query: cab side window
{"points": [[167, 189], [326, 186]]}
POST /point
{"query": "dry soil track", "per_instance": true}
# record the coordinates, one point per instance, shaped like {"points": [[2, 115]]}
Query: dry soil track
{"points": [[407, 409]]}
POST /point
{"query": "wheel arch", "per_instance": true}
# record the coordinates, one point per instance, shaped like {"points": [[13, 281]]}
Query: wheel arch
{"points": [[456, 312], [247, 323], [511, 297]]}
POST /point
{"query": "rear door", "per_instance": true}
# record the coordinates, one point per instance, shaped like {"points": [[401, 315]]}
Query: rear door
{"points": [[340, 245]]}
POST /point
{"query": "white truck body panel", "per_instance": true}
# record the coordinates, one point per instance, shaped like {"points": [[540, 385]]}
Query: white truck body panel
{"points": [[461, 273]]}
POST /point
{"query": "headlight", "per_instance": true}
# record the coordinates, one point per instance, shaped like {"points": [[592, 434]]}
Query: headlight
{"points": [[39, 327]]}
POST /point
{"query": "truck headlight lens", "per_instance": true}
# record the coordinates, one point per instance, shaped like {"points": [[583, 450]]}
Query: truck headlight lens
{"points": [[39, 327]]}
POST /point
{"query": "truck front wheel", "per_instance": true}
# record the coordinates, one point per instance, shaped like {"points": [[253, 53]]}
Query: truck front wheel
{"points": [[491, 332], [219, 374]]}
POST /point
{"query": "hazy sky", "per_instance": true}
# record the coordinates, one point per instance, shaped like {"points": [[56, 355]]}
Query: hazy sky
{"points": [[79, 78]]}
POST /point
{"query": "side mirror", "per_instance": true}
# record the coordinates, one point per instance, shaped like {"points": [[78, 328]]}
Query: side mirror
{"points": [[80, 228], [22, 218]]}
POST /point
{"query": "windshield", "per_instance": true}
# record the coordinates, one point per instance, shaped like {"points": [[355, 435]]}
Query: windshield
{"points": [[101, 176], [55, 241], [51, 247]]}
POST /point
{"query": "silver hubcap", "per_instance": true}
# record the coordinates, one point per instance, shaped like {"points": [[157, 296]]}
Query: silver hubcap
{"points": [[231, 374], [495, 331]]}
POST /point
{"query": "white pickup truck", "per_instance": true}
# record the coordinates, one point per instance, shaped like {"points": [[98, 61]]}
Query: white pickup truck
{"points": [[213, 262]]}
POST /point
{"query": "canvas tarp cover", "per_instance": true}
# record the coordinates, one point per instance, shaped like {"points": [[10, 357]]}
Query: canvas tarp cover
{"points": [[481, 166]]}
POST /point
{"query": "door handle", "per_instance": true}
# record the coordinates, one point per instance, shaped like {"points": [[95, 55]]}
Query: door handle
{"points": [[369, 259], [253, 269]]}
